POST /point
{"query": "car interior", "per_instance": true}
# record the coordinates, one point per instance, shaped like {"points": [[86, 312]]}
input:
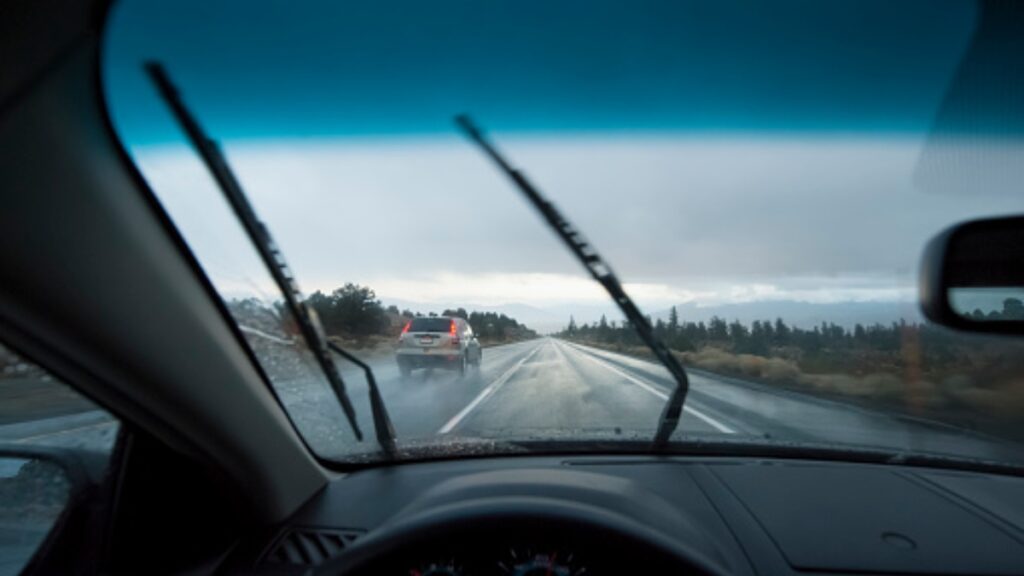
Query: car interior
{"points": [[207, 472]]}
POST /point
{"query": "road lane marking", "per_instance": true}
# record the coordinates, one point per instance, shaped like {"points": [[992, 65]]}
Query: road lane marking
{"points": [[264, 335], [661, 394], [485, 393], [546, 362], [62, 432]]}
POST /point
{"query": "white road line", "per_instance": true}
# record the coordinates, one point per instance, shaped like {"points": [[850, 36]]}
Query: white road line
{"points": [[63, 432], [264, 335], [546, 362], [485, 393], [661, 394]]}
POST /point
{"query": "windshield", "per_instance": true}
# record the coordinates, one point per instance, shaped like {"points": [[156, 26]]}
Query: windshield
{"points": [[762, 177]]}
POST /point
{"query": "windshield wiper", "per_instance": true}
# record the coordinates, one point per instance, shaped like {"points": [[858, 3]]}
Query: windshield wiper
{"points": [[600, 271], [305, 316]]}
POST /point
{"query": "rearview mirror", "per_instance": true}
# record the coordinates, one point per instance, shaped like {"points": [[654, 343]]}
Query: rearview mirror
{"points": [[972, 276]]}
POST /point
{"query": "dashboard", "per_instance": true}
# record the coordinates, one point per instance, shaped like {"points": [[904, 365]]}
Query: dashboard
{"points": [[650, 515]]}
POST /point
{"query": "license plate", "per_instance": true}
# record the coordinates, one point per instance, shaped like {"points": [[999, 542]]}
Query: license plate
{"points": [[426, 340]]}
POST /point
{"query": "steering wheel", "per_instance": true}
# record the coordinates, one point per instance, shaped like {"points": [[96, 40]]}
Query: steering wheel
{"points": [[612, 539]]}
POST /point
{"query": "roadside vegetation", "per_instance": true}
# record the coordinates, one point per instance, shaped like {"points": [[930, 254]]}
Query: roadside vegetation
{"points": [[915, 369], [352, 317], [356, 319], [354, 314]]}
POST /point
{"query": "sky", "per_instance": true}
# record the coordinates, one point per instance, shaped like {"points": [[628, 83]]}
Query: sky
{"points": [[709, 157], [820, 220]]}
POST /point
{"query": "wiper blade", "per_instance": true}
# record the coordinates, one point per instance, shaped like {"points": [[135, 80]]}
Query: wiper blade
{"points": [[381, 421], [305, 316], [602, 273]]}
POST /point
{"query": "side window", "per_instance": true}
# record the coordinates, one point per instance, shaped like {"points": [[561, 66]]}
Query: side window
{"points": [[37, 412]]}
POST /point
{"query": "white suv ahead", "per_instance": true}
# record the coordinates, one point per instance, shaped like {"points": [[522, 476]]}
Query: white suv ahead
{"points": [[438, 342]]}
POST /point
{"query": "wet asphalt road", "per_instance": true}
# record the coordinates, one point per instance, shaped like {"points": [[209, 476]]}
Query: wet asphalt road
{"points": [[544, 386], [534, 388]]}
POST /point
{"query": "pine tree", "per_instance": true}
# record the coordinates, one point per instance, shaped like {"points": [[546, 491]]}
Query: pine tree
{"points": [[718, 330], [782, 332], [673, 323]]}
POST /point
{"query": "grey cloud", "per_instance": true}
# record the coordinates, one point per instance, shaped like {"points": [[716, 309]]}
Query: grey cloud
{"points": [[664, 210]]}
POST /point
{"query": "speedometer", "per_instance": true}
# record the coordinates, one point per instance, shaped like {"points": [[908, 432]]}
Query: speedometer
{"points": [[527, 562]]}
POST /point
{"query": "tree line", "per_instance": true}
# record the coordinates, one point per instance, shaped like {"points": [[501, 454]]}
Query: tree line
{"points": [[756, 338], [354, 311], [827, 341], [1013, 309]]}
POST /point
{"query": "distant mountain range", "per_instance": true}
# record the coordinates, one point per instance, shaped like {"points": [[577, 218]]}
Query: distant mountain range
{"points": [[553, 318], [802, 314]]}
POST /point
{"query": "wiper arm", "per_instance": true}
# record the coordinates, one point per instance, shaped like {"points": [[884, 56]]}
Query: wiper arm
{"points": [[602, 273], [305, 316], [381, 421]]}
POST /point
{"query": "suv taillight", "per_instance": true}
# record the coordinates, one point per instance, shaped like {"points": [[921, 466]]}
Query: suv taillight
{"points": [[453, 331]]}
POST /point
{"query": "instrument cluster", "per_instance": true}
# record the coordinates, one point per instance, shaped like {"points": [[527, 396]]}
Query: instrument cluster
{"points": [[512, 561]]}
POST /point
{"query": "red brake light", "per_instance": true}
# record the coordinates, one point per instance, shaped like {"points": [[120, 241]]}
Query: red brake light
{"points": [[454, 332], [406, 328]]}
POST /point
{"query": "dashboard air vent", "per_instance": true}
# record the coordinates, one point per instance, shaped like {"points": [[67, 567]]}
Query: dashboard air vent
{"points": [[309, 546]]}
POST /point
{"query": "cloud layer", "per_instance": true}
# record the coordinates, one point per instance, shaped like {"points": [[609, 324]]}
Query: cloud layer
{"points": [[712, 220]]}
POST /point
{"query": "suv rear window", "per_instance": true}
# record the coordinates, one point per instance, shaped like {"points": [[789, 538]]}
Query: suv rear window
{"points": [[430, 325]]}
